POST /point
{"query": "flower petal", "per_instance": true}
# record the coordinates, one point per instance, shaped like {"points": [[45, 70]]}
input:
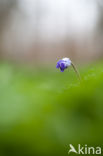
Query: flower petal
{"points": [[62, 70], [58, 63], [57, 66], [62, 65], [67, 61]]}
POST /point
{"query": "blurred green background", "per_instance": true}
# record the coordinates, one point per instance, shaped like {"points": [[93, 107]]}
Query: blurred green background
{"points": [[42, 110]]}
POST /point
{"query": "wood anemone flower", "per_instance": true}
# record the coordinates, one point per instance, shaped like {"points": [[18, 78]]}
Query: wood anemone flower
{"points": [[65, 63]]}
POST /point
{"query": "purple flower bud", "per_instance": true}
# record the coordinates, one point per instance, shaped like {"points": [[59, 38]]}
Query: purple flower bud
{"points": [[63, 64]]}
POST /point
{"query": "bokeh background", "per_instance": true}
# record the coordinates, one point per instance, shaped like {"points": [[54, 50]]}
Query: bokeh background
{"points": [[42, 111]]}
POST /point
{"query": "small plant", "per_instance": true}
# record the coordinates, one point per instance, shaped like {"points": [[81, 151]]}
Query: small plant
{"points": [[65, 63]]}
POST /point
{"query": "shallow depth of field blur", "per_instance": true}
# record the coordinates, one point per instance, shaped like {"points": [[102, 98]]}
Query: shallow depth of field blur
{"points": [[42, 110]]}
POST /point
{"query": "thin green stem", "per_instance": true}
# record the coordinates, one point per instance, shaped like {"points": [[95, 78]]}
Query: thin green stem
{"points": [[76, 71]]}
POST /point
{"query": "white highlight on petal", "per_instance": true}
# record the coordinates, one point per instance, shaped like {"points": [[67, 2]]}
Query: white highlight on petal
{"points": [[67, 61]]}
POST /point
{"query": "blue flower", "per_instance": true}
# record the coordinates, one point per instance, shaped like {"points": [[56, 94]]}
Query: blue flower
{"points": [[63, 64]]}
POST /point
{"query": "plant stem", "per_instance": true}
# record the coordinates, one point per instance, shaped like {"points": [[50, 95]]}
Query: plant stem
{"points": [[77, 73]]}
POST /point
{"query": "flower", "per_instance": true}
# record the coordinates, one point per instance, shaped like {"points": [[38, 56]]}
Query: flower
{"points": [[63, 64]]}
